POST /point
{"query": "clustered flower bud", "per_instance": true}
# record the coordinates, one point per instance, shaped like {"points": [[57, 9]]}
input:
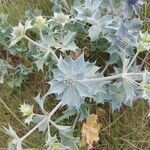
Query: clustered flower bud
{"points": [[26, 109], [40, 22]]}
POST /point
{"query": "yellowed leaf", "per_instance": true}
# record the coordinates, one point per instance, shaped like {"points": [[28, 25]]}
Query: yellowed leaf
{"points": [[90, 130]]}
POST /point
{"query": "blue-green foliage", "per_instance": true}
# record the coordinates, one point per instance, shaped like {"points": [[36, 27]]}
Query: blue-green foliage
{"points": [[74, 79]]}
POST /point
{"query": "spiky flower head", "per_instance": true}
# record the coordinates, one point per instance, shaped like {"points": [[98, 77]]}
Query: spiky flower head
{"points": [[131, 6], [132, 2], [26, 109], [40, 22], [61, 18], [122, 39], [145, 36], [19, 32], [68, 81], [144, 42]]}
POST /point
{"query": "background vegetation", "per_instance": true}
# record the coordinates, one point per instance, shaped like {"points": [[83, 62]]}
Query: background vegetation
{"points": [[128, 129]]}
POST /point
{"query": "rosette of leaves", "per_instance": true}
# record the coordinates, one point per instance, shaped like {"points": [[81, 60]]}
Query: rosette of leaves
{"points": [[65, 43], [100, 26], [88, 10], [19, 32], [123, 39], [127, 88], [131, 6], [119, 97], [68, 81], [59, 19]]}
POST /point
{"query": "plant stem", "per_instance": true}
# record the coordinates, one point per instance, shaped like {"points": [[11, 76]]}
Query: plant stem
{"points": [[13, 114], [42, 47], [104, 78], [144, 60], [132, 61], [111, 77], [49, 116]]}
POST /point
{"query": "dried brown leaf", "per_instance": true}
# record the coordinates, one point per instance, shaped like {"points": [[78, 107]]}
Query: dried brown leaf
{"points": [[90, 130]]}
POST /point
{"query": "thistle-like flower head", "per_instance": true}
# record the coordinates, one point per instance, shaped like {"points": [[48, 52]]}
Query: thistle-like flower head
{"points": [[19, 32], [40, 22], [68, 80], [123, 38], [26, 109], [132, 2], [131, 6], [88, 10], [61, 18]]}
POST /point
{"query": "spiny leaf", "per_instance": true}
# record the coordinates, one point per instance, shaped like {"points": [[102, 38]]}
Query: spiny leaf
{"points": [[68, 140]]}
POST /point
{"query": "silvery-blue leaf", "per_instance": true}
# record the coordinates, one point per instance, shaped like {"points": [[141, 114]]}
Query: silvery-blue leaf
{"points": [[69, 37], [61, 127], [84, 111], [146, 85], [83, 89], [40, 100], [134, 25], [71, 97], [87, 10], [90, 70], [136, 9], [58, 74], [80, 15], [19, 145], [11, 132], [37, 119], [94, 32], [129, 88], [100, 26], [66, 43], [69, 140], [101, 95], [79, 65], [115, 104], [28, 119], [15, 144], [94, 18], [63, 66], [113, 58], [40, 61], [52, 143], [71, 46], [118, 96], [122, 31], [57, 87], [66, 114]]}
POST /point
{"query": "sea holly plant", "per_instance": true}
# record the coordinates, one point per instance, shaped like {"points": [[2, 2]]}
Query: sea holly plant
{"points": [[56, 47], [131, 6]]}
